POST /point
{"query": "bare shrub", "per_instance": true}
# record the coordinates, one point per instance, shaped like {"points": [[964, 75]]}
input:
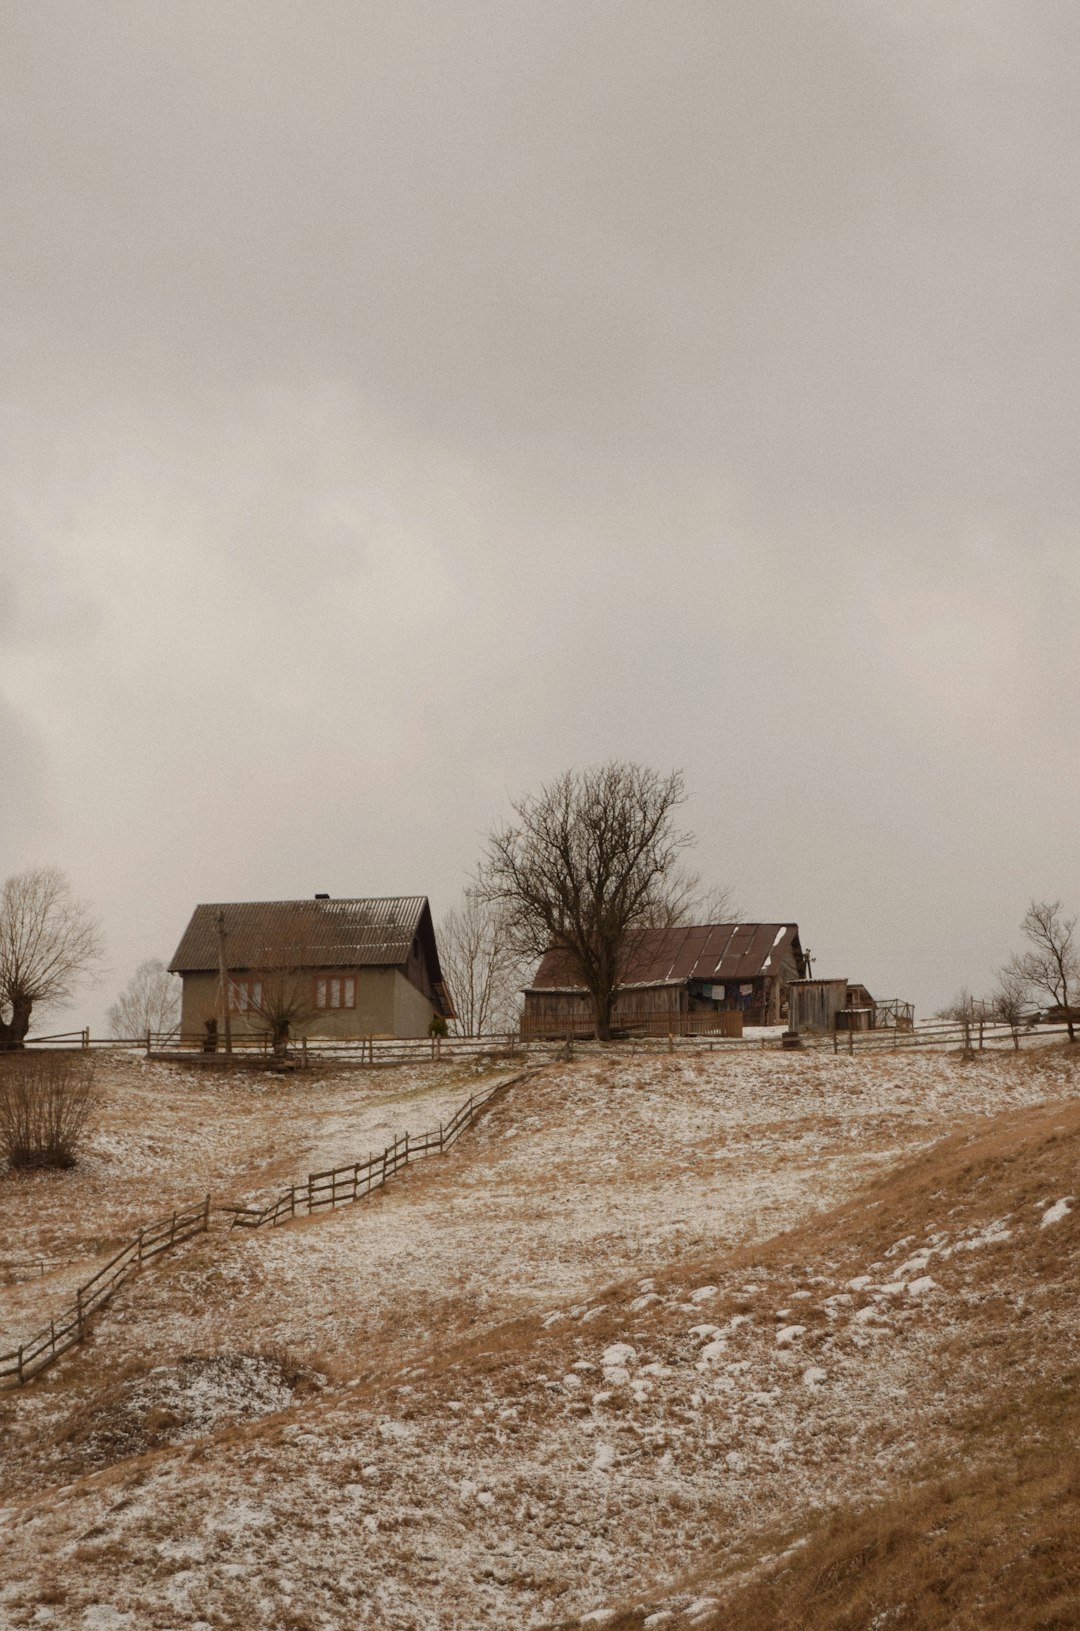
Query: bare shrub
{"points": [[45, 1103]]}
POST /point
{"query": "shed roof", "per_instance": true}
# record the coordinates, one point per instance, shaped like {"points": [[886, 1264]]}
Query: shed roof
{"points": [[334, 933], [705, 951]]}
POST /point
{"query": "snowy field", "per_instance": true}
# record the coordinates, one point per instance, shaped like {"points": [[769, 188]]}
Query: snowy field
{"points": [[646, 1302]]}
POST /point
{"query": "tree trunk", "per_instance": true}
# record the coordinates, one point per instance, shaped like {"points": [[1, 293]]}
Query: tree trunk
{"points": [[13, 1031], [603, 1002], [281, 1037]]}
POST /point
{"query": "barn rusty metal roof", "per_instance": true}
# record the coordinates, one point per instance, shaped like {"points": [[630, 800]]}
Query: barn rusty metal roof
{"points": [[332, 933], [706, 951]]}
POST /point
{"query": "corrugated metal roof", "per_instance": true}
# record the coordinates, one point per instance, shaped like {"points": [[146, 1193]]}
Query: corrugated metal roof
{"points": [[332, 933], [706, 951]]}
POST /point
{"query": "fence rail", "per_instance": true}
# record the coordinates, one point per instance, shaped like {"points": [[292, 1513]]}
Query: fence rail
{"points": [[42, 1350], [339, 1185], [979, 1036], [331, 1188]]}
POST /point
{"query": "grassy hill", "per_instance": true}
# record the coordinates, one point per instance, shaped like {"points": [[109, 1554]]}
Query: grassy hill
{"points": [[712, 1340]]}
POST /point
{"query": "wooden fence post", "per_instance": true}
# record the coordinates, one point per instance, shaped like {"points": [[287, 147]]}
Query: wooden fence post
{"points": [[148, 1044], [19, 1367], [851, 1042], [86, 1037], [440, 1138]]}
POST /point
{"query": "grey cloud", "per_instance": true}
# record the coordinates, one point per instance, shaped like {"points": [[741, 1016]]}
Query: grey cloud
{"points": [[405, 401]]}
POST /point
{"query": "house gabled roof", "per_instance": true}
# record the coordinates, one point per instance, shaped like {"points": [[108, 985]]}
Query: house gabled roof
{"points": [[706, 951], [333, 933]]}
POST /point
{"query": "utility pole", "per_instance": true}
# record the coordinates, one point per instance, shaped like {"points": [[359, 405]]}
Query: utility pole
{"points": [[223, 984]]}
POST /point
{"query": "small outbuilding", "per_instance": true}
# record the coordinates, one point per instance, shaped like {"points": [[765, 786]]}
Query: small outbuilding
{"points": [[347, 968], [682, 980]]}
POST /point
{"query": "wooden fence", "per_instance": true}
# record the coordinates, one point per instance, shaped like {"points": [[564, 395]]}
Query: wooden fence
{"points": [[662, 1022], [42, 1350], [358, 1050], [976, 1036], [331, 1188], [339, 1185]]}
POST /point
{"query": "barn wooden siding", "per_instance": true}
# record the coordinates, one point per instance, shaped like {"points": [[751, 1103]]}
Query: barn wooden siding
{"points": [[813, 1005]]}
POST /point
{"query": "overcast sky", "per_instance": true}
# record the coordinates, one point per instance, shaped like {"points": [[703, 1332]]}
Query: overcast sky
{"points": [[405, 400]]}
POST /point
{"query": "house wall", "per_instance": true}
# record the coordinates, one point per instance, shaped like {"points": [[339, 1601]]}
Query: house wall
{"points": [[387, 1004], [413, 1011]]}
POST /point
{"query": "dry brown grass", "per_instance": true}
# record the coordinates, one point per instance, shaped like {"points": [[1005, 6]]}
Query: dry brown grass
{"points": [[921, 1480], [985, 1531], [996, 1543]]}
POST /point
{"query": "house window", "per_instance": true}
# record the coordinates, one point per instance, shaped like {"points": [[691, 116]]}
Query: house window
{"points": [[244, 995], [335, 991]]}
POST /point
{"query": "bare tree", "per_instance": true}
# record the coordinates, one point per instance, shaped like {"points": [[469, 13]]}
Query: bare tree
{"points": [[149, 1003], [586, 868], [281, 992], [48, 942], [1010, 1002], [1051, 964], [482, 968]]}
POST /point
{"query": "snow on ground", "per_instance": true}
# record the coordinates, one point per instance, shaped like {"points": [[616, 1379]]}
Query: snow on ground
{"points": [[498, 1398], [164, 1137]]}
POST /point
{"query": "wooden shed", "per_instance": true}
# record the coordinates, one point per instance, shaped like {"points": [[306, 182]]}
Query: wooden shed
{"points": [[815, 1005]]}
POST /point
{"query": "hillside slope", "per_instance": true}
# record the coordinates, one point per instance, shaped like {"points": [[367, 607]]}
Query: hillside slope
{"points": [[659, 1320]]}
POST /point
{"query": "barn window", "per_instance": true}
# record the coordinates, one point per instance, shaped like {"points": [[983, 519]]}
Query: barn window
{"points": [[335, 991]]}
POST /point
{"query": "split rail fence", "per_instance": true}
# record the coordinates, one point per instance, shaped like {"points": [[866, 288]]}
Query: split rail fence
{"points": [[70, 1328], [331, 1188], [340, 1185]]}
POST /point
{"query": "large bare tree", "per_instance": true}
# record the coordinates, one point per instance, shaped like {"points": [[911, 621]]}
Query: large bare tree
{"points": [[149, 1003], [49, 941], [587, 867], [481, 965], [1051, 964]]}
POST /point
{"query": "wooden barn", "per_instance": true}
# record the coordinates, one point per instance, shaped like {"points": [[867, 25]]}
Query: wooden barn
{"points": [[681, 980]]}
